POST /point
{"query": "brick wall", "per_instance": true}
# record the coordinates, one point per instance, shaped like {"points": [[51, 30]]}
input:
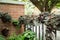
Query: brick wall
{"points": [[14, 10]]}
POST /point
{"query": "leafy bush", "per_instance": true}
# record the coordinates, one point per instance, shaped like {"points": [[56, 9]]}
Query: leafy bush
{"points": [[29, 35]]}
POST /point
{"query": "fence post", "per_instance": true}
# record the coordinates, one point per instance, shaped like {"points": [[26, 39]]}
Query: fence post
{"points": [[39, 32], [55, 34], [42, 31], [36, 30]]}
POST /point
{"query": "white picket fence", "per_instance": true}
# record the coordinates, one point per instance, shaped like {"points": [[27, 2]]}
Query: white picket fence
{"points": [[38, 30]]}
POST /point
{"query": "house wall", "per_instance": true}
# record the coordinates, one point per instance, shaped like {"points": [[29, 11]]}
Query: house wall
{"points": [[15, 10]]}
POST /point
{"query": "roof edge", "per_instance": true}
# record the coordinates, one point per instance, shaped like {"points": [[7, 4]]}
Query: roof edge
{"points": [[13, 2]]}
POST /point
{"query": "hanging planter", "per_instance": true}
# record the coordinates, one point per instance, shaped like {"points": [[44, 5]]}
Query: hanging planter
{"points": [[5, 32], [21, 20], [16, 23], [6, 18]]}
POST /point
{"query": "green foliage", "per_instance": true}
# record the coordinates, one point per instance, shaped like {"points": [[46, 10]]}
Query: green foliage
{"points": [[1, 37], [16, 23], [58, 5], [27, 34], [12, 37], [19, 37], [15, 37]]}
